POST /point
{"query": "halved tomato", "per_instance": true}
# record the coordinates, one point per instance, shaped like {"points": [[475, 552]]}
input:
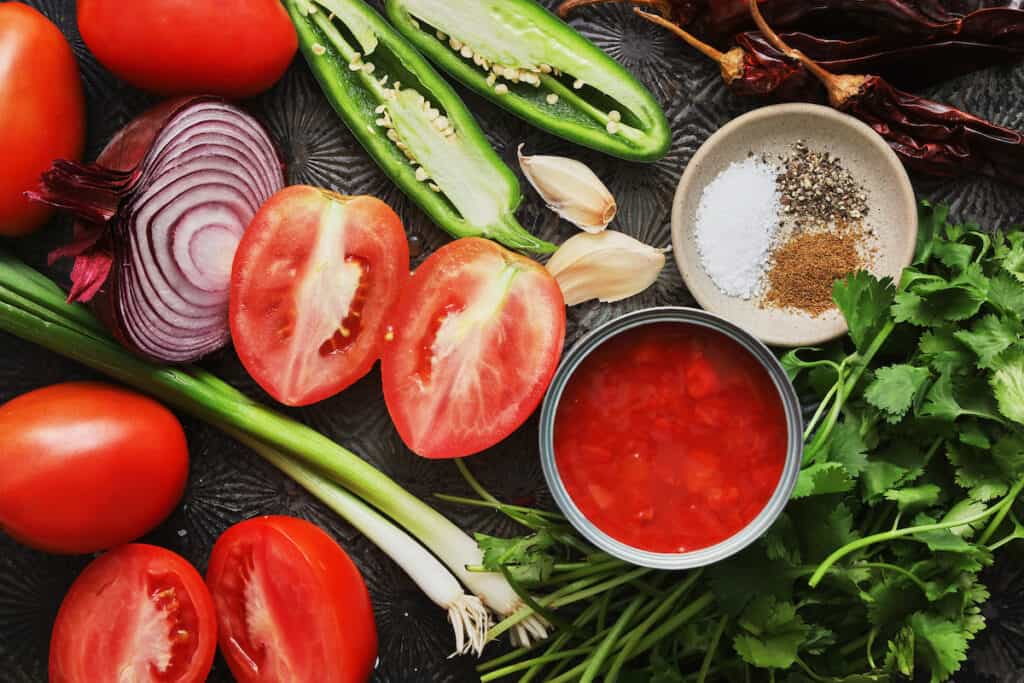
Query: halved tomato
{"points": [[477, 336], [290, 604], [138, 613], [314, 278]]}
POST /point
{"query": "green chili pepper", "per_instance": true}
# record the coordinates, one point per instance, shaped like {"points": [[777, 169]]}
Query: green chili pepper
{"points": [[525, 59], [411, 121]]}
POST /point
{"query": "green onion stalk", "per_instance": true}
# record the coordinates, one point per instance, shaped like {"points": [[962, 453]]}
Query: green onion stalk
{"points": [[33, 308]]}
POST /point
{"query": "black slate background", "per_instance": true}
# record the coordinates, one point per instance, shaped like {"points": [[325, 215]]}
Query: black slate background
{"points": [[228, 484]]}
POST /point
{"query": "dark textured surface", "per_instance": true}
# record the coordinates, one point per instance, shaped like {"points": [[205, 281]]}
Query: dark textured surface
{"points": [[228, 484]]}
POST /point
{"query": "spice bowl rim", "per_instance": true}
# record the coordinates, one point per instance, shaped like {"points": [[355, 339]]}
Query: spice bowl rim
{"points": [[756, 528], [795, 329]]}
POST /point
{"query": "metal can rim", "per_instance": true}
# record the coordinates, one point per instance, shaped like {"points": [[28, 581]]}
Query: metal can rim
{"points": [[705, 556]]}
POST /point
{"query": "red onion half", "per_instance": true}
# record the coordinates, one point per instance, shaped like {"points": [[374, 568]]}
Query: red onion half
{"points": [[160, 215]]}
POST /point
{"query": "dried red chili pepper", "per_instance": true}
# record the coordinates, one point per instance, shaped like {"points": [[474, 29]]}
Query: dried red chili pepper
{"points": [[930, 137], [716, 19], [751, 70], [907, 63]]}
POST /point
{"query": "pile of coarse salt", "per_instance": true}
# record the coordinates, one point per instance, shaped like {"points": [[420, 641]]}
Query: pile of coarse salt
{"points": [[737, 222]]}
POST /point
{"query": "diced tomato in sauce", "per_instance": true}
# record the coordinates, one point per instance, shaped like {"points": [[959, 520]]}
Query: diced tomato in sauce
{"points": [[670, 437]]}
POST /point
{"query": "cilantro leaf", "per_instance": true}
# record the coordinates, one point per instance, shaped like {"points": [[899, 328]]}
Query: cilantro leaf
{"points": [[953, 255], [942, 540], [1013, 259], [824, 526], [964, 510], [946, 401], [935, 306], [940, 643], [915, 498], [736, 581], [1008, 455], [942, 351], [930, 220], [528, 559], [846, 446], [1006, 293], [901, 652], [895, 389], [823, 478], [899, 464], [892, 599], [989, 337], [864, 301], [1008, 384], [972, 433], [771, 633], [977, 472]]}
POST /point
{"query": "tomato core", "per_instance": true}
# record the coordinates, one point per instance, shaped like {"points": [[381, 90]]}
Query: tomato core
{"points": [[670, 437], [352, 324]]}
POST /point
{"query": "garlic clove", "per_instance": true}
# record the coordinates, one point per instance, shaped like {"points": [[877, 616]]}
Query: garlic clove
{"points": [[607, 266], [571, 190]]}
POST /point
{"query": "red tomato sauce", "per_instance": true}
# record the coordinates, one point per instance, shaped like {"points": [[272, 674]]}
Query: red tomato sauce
{"points": [[670, 437]]}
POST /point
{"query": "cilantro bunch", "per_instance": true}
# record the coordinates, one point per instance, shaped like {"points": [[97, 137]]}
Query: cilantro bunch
{"points": [[913, 464]]}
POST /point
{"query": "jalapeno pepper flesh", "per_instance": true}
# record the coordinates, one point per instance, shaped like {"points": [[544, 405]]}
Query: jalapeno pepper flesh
{"points": [[410, 121], [528, 61]]}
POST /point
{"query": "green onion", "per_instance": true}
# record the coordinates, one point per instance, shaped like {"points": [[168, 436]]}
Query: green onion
{"points": [[33, 308]]}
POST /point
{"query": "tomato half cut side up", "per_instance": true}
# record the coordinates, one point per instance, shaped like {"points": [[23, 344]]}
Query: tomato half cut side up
{"points": [[313, 280], [138, 613], [477, 337], [291, 605]]}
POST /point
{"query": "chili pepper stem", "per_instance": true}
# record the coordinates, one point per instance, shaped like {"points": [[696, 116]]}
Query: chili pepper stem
{"points": [[840, 87], [570, 6], [731, 62]]}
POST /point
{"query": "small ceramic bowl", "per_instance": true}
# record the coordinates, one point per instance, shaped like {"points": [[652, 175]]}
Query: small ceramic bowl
{"points": [[773, 130], [696, 558]]}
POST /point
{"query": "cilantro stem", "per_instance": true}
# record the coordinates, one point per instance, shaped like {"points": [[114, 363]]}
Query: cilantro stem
{"points": [[820, 412], [821, 436], [898, 533], [810, 672], [631, 640], [709, 656], [474, 484], [652, 639], [1004, 509], [870, 645], [501, 507], [597, 660], [498, 674], [567, 595], [853, 646], [899, 570]]}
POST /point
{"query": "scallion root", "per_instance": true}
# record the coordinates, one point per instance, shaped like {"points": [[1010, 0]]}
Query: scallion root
{"points": [[470, 620]]}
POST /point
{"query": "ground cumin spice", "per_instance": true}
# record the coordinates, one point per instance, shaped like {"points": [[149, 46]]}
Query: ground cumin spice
{"points": [[804, 267]]}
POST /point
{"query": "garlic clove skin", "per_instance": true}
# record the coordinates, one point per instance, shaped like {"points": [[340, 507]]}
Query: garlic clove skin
{"points": [[571, 190], [607, 266]]}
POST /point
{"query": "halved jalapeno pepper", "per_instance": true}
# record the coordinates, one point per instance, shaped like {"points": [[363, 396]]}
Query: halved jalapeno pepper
{"points": [[525, 59], [411, 121]]}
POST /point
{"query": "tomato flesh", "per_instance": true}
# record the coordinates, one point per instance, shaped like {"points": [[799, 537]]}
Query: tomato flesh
{"points": [[139, 613], [87, 466], [314, 277], [477, 337], [42, 108], [290, 604], [670, 437]]}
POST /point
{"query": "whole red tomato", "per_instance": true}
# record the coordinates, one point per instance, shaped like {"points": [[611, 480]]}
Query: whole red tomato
{"points": [[291, 605], [138, 613], [86, 466], [42, 111], [234, 48]]}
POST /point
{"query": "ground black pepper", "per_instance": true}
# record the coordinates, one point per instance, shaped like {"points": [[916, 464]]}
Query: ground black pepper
{"points": [[816, 186]]}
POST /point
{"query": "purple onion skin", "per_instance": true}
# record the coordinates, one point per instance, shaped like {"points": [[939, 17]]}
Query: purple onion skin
{"points": [[108, 272]]}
